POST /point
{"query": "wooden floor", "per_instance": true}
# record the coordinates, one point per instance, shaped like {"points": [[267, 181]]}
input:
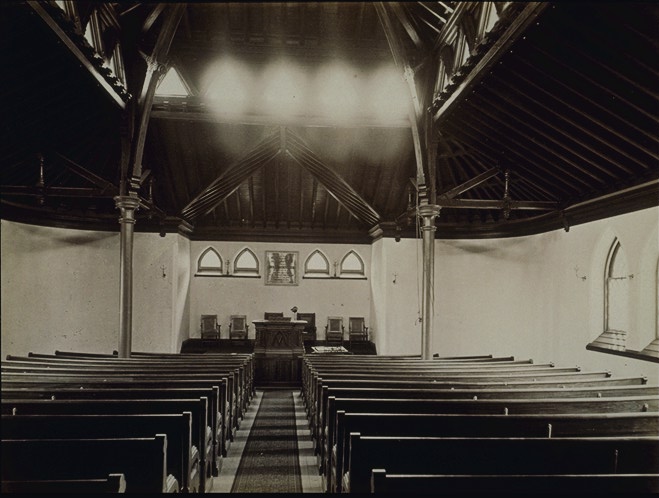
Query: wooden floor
{"points": [[311, 480]]}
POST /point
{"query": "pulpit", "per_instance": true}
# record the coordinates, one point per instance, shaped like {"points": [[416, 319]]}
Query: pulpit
{"points": [[278, 349]]}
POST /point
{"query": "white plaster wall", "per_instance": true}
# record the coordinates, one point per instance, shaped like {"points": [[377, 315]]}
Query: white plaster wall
{"points": [[575, 314], [401, 285], [225, 296], [154, 277], [181, 293], [60, 289]]}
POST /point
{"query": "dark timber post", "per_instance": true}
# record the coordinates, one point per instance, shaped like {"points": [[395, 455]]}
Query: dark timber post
{"points": [[127, 205], [428, 213]]}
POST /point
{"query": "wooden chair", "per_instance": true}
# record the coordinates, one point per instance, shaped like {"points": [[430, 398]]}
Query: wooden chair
{"points": [[310, 327], [357, 330], [238, 327], [210, 329], [334, 329], [269, 315]]}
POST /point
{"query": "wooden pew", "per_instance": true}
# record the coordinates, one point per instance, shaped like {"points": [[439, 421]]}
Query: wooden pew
{"points": [[113, 483], [26, 384], [476, 394], [137, 373], [141, 460], [129, 391], [182, 461], [473, 425], [384, 482], [234, 371], [246, 358], [484, 406], [497, 456], [201, 433], [571, 382]]}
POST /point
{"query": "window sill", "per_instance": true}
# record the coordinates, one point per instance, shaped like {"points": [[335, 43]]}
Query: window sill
{"points": [[308, 277], [629, 353]]}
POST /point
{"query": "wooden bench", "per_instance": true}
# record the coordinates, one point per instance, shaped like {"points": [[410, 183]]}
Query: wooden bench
{"points": [[476, 394], [235, 372], [454, 381], [472, 425], [182, 460], [201, 432], [127, 392], [85, 379], [27, 383], [141, 460], [113, 483], [497, 456], [484, 406], [384, 482]]}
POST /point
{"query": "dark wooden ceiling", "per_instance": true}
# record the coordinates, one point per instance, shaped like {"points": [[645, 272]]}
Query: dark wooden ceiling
{"points": [[551, 122]]}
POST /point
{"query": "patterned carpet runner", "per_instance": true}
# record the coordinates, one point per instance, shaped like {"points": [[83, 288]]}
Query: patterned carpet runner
{"points": [[270, 459]]}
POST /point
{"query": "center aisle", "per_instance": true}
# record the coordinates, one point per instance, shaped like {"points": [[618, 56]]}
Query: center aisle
{"points": [[272, 451]]}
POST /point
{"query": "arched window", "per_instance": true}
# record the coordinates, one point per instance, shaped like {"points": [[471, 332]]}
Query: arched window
{"points": [[616, 292], [246, 264], [210, 262], [317, 265], [616, 301], [352, 266]]}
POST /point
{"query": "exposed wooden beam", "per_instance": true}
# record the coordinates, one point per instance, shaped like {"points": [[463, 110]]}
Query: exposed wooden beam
{"points": [[251, 200], [175, 110], [403, 17], [477, 180], [516, 28], [81, 171], [314, 194], [32, 191], [152, 17], [155, 70], [415, 113], [497, 204], [231, 179], [334, 183], [77, 53]]}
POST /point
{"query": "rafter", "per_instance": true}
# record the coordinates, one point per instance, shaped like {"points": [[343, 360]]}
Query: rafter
{"points": [[415, 113], [77, 53], [518, 25], [155, 69], [230, 180], [335, 184]]}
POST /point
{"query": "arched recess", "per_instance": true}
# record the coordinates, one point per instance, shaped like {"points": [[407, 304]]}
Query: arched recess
{"points": [[352, 265], [246, 264], [210, 262], [317, 265], [616, 300]]}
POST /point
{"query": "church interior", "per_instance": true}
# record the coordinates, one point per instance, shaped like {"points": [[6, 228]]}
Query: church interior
{"points": [[335, 241]]}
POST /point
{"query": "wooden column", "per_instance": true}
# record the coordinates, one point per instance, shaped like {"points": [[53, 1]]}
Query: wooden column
{"points": [[428, 213], [127, 205]]}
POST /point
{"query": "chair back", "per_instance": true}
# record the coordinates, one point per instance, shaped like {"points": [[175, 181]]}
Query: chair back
{"points": [[238, 323], [356, 324], [335, 323], [209, 327]]}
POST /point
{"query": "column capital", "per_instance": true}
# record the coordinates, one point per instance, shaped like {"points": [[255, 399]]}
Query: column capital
{"points": [[428, 210], [126, 202]]}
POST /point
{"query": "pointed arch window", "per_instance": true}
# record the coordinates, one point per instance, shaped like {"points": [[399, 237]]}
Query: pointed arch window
{"points": [[210, 263], [352, 266], [246, 264], [317, 265], [617, 305]]}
